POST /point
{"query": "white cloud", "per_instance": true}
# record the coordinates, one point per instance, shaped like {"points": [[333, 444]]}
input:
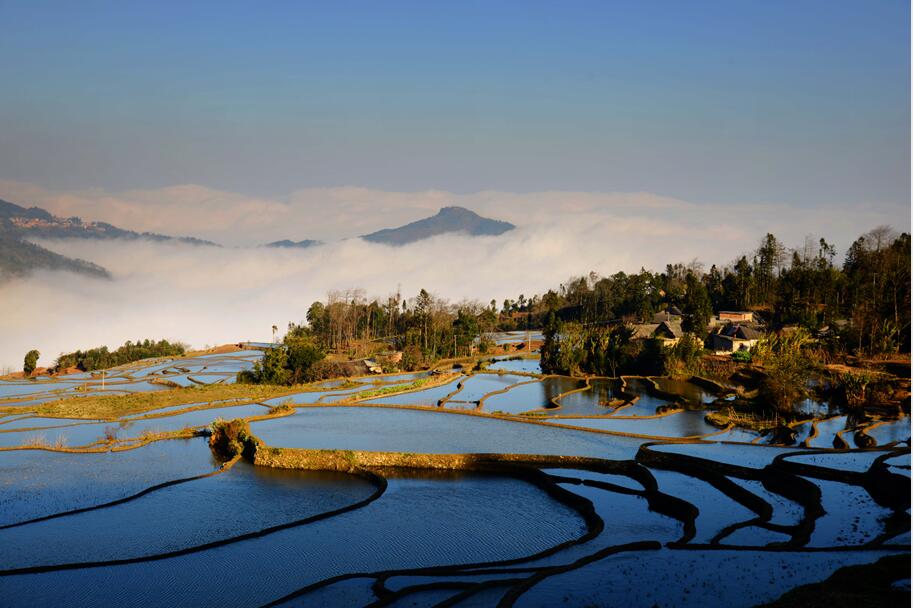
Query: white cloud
{"points": [[331, 214], [206, 295]]}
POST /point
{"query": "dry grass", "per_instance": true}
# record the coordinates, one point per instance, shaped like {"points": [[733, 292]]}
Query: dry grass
{"points": [[184, 433], [39, 441], [746, 420], [114, 406], [421, 383]]}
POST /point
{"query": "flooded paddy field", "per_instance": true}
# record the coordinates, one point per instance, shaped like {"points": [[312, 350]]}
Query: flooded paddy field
{"points": [[510, 364], [73, 433], [387, 429], [500, 487], [141, 376], [542, 396], [37, 483]]}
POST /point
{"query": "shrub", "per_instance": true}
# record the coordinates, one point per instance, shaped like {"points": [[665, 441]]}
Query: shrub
{"points": [[682, 358], [289, 363], [324, 369], [862, 388], [110, 434], [742, 356], [787, 365], [231, 438], [486, 344], [413, 358], [31, 360]]}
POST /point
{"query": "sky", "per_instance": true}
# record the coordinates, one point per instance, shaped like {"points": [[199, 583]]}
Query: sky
{"points": [[801, 103], [615, 134]]}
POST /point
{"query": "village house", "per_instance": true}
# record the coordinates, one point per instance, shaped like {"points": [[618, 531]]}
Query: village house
{"points": [[643, 331], [734, 337], [668, 332], [373, 366]]}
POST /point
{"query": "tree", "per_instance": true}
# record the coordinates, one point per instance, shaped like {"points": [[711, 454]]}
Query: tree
{"points": [[713, 281], [270, 369], [616, 348], [303, 353], [770, 256], [31, 360], [697, 309], [423, 303], [742, 281], [551, 346]]}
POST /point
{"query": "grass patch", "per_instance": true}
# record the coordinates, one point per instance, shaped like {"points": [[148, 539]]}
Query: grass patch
{"points": [[401, 388], [115, 406], [185, 433], [746, 420], [39, 441]]}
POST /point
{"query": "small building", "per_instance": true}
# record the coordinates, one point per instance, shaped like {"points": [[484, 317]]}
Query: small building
{"points": [[737, 316], [373, 366], [669, 332], [734, 337], [644, 331]]}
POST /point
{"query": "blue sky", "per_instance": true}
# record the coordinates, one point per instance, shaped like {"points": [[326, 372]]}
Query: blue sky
{"points": [[801, 103]]}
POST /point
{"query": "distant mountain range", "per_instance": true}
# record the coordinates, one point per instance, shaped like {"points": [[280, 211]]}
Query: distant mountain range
{"points": [[287, 244], [448, 220], [19, 257], [37, 222]]}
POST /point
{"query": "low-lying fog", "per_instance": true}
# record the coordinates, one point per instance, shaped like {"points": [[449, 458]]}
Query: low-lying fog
{"points": [[209, 295]]}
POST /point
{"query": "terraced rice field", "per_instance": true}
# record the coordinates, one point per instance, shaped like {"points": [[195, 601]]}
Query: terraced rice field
{"points": [[568, 492]]}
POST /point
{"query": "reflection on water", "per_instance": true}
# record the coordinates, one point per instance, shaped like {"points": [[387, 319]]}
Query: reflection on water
{"points": [[529, 366], [426, 517], [679, 424], [600, 398], [383, 429], [35, 483], [477, 386], [241, 500], [532, 396], [692, 393], [416, 523]]}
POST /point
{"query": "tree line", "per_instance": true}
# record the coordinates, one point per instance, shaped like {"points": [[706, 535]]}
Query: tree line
{"points": [[861, 307], [425, 328], [102, 358], [863, 302]]}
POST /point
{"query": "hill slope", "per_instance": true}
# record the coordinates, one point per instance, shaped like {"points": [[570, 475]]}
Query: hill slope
{"points": [[19, 258], [447, 220], [36, 222]]}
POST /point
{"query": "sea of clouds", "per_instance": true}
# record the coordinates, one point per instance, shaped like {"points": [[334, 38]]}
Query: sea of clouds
{"points": [[213, 295]]}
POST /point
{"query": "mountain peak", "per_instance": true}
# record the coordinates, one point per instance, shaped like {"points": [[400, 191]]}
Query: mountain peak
{"points": [[447, 220], [288, 244], [454, 211]]}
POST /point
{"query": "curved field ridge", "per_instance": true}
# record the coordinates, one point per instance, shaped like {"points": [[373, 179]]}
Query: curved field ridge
{"points": [[514, 582]]}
